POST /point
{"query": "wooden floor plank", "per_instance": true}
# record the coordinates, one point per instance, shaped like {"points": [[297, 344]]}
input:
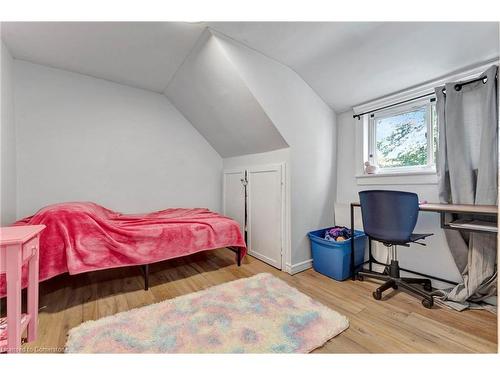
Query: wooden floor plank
{"points": [[396, 324]]}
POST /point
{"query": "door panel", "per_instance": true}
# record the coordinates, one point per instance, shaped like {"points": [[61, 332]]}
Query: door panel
{"points": [[265, 214]]}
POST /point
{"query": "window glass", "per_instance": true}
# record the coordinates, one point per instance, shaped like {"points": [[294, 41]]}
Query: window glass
{"points": [[401, 139]]}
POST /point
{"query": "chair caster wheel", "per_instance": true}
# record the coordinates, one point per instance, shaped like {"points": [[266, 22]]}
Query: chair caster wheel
{"points": [[359, 277], [428, 303], [428, 287], [377, 295]]}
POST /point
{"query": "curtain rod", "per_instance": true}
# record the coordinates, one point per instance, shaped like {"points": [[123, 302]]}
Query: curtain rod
{"points": [[457, 86], [392, 105]]}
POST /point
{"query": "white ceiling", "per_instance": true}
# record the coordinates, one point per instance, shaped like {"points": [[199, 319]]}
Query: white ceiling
{"points": [[346, 63], [139, 54]]}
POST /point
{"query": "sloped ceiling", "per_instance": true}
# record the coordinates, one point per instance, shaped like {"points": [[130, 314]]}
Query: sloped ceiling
{"points": [[348, 63], [139, 54], [210, 93]]}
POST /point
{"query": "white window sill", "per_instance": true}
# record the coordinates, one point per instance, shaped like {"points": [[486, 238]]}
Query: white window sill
{"points": [[398, 178]]}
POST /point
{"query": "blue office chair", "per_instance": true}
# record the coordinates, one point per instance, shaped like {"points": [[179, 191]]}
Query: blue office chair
{"points": [[390, 217]]}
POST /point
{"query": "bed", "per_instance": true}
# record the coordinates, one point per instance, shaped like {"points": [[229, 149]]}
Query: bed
{"points": [[84, 236]]}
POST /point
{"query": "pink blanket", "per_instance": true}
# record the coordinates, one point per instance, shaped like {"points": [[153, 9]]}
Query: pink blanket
{"points": [[84, 236]]}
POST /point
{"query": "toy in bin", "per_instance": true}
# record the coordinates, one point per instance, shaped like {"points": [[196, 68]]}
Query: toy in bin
{"points": [[338, 234]]}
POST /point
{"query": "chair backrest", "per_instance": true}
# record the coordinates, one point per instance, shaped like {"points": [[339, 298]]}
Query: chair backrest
{"points": [[389, 215]]}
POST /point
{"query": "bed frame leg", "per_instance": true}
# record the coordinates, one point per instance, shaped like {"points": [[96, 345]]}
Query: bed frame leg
{"points": [[236, 250], [145, 270]]}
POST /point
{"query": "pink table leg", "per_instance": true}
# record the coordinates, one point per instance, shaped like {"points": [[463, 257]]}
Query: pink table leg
{"points": [[14, 263], [33, 296]]}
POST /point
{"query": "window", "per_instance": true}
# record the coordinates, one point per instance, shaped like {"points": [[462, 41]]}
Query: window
{"points": [[404, 138]]}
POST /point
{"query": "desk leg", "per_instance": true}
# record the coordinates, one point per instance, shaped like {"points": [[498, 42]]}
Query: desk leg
{"points": [[353, 276], [14, 264], [370, 256], [33, 296]]}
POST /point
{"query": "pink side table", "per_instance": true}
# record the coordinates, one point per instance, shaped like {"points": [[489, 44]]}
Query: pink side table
{"points": [[19, 245]]}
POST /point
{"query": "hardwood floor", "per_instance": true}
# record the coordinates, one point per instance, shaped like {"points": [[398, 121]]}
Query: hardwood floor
{"points": [[396, 325]]}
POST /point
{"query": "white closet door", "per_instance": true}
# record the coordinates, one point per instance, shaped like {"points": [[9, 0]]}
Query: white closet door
{"points": [[265, 214], [234, 197]]}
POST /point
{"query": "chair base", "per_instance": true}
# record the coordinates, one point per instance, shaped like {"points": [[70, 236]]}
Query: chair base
{"points": [[392, 280]]}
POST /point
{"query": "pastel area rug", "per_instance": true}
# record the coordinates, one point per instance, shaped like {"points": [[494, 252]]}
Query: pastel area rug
{"points": [[260, 314]]}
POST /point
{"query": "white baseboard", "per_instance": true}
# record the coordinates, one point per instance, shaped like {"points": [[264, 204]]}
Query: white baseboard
{"points": [[298, 267]]}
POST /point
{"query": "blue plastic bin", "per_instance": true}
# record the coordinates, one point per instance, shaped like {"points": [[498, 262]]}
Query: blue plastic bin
{"points": [[332, 258]]}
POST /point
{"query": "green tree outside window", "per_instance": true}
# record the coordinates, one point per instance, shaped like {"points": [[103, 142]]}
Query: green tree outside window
{"points": [[401, 139]]}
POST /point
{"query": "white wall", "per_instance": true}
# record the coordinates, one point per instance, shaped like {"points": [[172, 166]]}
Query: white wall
{"points": [[8, 142], [80, 138], [435, 258], [308, 126], [266, 158]]}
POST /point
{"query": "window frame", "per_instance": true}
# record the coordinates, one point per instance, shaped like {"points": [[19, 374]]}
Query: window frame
{"points": [[428, 102]]}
